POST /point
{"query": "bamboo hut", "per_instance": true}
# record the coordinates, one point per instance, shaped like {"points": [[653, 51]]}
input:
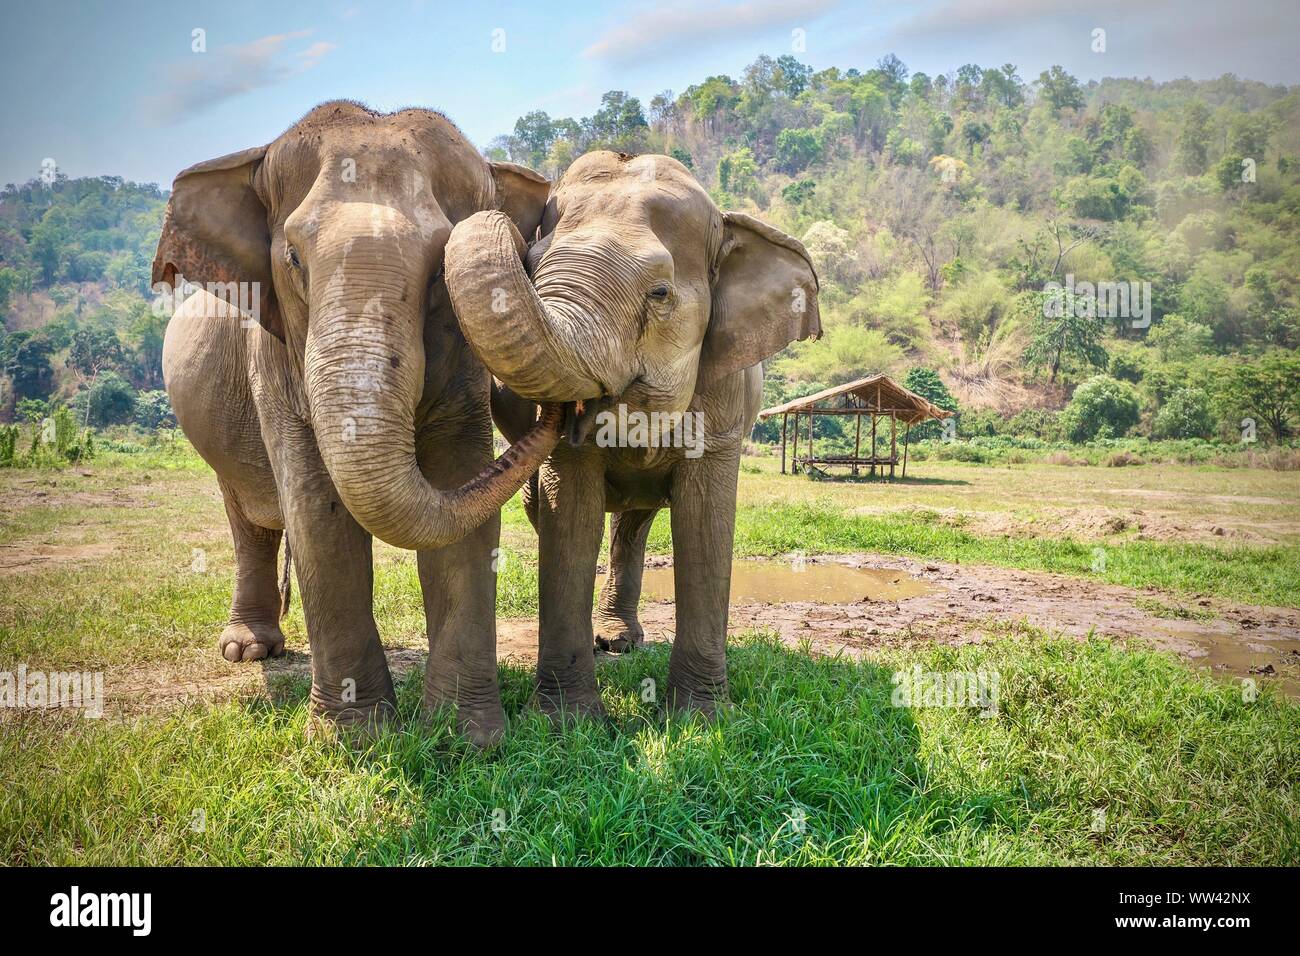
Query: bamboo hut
{"points": [[876, 399]]}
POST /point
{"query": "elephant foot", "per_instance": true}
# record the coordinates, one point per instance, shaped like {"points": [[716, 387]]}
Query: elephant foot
{"points": [[708, 702], [251, 642], [482, 723], [563, 707], [474, 697], [355, 726], [614, 636]]}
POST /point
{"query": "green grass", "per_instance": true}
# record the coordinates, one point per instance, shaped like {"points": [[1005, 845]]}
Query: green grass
{"points": [[813, 766], [1171, 612], [1250, 574]]}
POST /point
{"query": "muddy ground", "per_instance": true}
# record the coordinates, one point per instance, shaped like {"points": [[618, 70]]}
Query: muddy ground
{"points": [[956, 605]]}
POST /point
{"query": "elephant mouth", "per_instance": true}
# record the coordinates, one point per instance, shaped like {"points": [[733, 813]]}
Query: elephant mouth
{"points": [[580, 417]]}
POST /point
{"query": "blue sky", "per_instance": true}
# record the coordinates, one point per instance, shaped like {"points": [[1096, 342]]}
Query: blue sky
{"points": [[115, 88]]}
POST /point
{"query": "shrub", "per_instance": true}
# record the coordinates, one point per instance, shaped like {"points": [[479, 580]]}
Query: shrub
{"points": [[1040, 423], [1102, 407], [1122, 459], [8, 443], [1063, 458], [153, 410], [1185, 415]]}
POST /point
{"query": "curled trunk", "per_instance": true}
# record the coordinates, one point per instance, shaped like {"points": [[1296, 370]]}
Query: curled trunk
{"points": [[364, 375], [544, 351]]}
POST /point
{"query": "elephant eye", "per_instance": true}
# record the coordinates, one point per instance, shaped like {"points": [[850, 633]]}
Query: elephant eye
{"points": [[660, 292], [293, 258]]}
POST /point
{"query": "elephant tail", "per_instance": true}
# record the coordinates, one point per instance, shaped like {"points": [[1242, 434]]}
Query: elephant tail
{"points": [[286, 588]]}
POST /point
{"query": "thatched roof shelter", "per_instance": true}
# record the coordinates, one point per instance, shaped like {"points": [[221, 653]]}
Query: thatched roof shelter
{"points": [[876, 396]]}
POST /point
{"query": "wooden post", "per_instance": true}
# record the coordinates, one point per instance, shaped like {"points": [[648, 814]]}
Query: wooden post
{"points": [[811, 425], [875, 416], [873, 444], [906, 433], [785, 420], [857, 441], [794, 457], [893, 444]]}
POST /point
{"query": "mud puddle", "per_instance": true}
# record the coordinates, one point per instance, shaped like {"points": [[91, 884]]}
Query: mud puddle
{"points": [[856, 602], [781, 582], [1234, 654]]}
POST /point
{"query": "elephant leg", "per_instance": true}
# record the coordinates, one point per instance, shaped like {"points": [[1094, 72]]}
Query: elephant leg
{"points": [[617, 627], [459, 586], [571, 519], [530, 500], [703, 520], [253, 631], [350, 682]]}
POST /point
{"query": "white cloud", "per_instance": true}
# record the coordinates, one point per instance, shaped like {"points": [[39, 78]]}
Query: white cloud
{"points": [[674, 28], [208, 79], [958, 16]]}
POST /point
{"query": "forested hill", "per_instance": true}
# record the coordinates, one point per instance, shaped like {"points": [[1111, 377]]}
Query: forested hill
{"points": [[940, 211]]}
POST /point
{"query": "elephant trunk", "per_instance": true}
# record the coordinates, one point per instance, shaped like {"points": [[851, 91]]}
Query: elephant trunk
{"points": [[546, 350], [364, 373]]}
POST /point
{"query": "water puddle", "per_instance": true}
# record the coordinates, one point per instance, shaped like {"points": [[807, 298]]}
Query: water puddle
{"points": [[777, 582], [1233, 655]]}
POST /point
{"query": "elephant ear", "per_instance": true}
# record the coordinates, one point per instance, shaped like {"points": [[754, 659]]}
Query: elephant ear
{"points": [[521, 194], [215, 231], [764, 298]]}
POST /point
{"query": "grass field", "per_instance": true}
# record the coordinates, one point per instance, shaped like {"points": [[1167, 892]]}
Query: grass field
{"points": [[1098, 752]]}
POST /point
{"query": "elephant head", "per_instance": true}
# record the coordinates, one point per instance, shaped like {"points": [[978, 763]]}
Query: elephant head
{"points": [[338, 228], [642, 291]]}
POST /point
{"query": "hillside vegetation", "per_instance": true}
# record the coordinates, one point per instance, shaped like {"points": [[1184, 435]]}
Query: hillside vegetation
{"points": [[960, 225], [939, 210]]}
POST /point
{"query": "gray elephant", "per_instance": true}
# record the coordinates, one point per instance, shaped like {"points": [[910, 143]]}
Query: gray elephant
{"points": [[355, 409], [644, 298]]}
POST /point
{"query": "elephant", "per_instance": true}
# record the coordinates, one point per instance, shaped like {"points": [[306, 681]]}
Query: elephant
{"points": [[638, 296], [320, 372]]}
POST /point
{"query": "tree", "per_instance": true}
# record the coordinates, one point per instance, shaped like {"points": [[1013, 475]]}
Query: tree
{"points": [[1003, 86], [1060, 90], [1102, 407], [798, 193], [1185, 415], [1061, 329], [736, 172], [619, 120], [844, 353], [12, 281], [1189, 153], [110, 400], [894, 73], [1178, 339], [94, 349], [1266, 389], [535, 133], [153, 410], [927, 383], [797, 149], [830, 249], [794, 75], [27, 360]]}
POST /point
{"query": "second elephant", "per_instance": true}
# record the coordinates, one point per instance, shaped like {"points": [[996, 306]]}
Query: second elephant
{"points": [[644, 298]]}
